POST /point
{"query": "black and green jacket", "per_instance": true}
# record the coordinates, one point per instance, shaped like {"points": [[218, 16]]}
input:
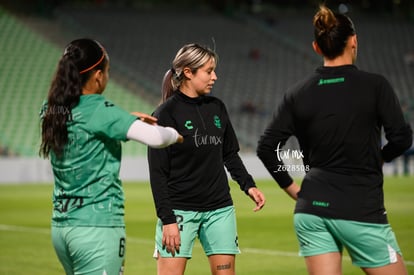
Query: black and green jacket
{"points": [[338, 114], [192, 175]]}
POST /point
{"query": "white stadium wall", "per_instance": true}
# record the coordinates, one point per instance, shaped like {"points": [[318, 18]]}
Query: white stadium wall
{"points": [[36, 170]]}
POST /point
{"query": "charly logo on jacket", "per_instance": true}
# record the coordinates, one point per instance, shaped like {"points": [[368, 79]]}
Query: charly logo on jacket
{"points": [[188, 124]]}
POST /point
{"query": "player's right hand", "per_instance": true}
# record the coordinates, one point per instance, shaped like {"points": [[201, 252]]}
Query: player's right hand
{"points": [[171, 238]]}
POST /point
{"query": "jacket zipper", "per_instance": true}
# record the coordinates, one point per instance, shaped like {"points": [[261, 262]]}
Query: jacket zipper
{"points": [[201, 117]]}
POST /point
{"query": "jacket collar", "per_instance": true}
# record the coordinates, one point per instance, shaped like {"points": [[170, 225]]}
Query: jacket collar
{"points": [[193, 100]]}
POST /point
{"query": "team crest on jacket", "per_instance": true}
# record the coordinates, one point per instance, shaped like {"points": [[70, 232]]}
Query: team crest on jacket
{"points": [[217, 121]]}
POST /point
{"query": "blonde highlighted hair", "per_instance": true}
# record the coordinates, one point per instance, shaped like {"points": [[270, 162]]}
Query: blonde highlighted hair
{"points": [[192, 56]]}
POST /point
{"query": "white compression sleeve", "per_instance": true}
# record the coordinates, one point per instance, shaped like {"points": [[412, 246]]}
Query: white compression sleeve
{"points": [[152, 135]]}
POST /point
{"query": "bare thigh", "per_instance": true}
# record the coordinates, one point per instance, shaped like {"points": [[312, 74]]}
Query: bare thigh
{"points": [[324, 264], [397, 268], [171, 266], [222, 264]]}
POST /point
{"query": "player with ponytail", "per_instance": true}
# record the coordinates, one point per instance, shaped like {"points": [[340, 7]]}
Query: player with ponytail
{"points": [[189, 181], [81, 134]]}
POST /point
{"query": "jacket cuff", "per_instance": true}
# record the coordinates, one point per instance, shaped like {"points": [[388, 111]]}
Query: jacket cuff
{"points": [[283, 179], [249, 183], [168, 220]]}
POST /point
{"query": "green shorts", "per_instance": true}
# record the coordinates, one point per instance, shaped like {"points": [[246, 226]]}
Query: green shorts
{"points": [[90, 250], [216, 230], [368, 244]]}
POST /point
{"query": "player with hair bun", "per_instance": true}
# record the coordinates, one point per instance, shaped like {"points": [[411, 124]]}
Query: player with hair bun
{"points": [[337, 114]]}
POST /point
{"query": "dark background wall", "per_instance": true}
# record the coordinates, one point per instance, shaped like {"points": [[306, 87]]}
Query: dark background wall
{"points": [[402, 8]]}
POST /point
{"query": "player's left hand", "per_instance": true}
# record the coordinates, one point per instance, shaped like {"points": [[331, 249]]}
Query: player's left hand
{"points": [[146, 118], [257, 196]]}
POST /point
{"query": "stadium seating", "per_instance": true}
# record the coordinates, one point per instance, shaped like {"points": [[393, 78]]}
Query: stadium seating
{"points": [[258, 60], [144, 43], [27, 64]]}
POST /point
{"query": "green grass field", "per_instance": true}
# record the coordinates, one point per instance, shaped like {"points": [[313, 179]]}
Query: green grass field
{"points": [[266, 238]]}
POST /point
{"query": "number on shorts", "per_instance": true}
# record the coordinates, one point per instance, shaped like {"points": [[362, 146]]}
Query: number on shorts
{"points": [[121, 247], [179, 219]]}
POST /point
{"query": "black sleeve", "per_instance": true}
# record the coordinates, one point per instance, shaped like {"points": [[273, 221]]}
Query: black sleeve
{"points": [[398, 132], [275, 136], [232, 160], [159, 169]]}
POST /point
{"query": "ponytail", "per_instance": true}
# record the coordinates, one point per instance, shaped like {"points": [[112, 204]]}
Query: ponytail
{"points": [[168, 88], [74, 69]]}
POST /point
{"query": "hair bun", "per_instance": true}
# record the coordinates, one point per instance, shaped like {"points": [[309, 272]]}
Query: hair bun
{"points": [[324, 21]]}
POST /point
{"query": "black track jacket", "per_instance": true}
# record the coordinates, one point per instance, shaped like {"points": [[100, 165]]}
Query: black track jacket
{"points": [[337, 115], [191, 175]]}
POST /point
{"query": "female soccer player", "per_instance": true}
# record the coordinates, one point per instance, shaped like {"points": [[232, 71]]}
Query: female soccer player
{"points": [[189, 182], [337, 114], [81, 133]]}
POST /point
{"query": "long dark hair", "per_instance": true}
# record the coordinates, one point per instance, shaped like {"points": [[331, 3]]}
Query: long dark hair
{"points": [[331, 31], [80, 59]]}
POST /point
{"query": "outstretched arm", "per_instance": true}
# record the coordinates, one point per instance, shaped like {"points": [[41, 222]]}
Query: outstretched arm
{"points": [[146, 118], [153, 135]]}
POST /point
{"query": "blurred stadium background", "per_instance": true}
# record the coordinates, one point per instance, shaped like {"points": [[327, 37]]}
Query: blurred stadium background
{"points": [[264, 47]]}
